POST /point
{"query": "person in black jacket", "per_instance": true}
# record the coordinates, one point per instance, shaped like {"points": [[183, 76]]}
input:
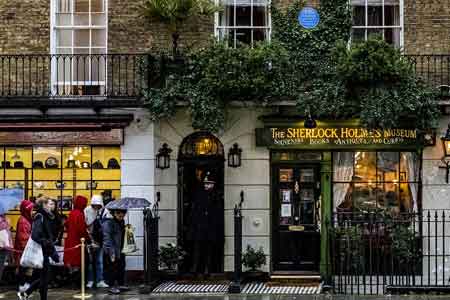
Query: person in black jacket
{"points": [[113, 241], [42, 234], [206, 220]]}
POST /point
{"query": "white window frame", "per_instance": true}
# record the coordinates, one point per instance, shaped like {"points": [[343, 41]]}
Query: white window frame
{"points": [[218, 27], [382, 26], [53, 43]]}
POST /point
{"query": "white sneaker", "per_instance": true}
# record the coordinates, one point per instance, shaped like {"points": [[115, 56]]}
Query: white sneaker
{"points": [[22, 296], [90, 284], [102, 284], [23, 288]]}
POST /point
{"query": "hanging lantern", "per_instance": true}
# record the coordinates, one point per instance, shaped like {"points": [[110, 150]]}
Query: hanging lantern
{"points": [[163, 157], [235, 156]]}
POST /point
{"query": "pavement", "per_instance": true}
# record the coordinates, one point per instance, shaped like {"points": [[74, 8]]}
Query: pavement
{"points": [[67, 294]]}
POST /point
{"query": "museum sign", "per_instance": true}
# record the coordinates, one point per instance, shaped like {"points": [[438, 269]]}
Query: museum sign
{"points": [[335, 137]]}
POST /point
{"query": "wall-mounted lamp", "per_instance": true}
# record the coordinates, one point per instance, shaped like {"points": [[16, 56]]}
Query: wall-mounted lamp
{"points": [[235, 156], [163, 157], [310, 123], [446, 158]]}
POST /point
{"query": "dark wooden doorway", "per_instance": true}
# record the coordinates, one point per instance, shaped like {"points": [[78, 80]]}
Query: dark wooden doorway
{"points": [[296, 217], [200, 154]]}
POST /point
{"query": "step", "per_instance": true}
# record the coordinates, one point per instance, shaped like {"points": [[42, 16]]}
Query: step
{"points": [[294, 280]]}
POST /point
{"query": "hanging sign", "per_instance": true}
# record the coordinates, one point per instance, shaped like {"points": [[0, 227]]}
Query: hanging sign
{"points": [[335, 137], [309, 18]]}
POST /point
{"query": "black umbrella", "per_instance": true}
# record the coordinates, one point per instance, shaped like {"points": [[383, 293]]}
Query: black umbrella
{"points": [[127, 203]]}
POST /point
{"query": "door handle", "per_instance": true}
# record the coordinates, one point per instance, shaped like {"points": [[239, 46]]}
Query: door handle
{"points": [[296, 187]]}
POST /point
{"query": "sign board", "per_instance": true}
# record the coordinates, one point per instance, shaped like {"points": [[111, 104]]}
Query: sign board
{"points": [[110, 137], [335, 137], [308, 18]]}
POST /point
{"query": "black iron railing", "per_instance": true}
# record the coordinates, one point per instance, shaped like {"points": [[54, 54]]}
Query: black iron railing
{"points": [[43, 76], [374, 253], [433, 70]]}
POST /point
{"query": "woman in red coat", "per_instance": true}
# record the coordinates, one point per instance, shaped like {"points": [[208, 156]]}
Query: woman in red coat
{"points": [[23, 228], [76, 229]]}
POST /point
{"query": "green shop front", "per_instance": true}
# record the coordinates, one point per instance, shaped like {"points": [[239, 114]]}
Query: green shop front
{"points": [[333, 168]]}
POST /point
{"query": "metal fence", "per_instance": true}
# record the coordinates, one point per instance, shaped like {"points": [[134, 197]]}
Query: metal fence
{"points": [[61, 75], [434, 70], [378, 253]]}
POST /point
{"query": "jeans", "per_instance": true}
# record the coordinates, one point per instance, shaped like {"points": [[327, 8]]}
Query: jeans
{"points": [[96, 259], [115, 271]]}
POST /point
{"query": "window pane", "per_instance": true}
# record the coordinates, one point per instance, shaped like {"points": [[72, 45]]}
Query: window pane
{"points": [[375, 33], [64, 6], [375, 13], [243, 36], [392, 36], [391, 15], [343, 166], [259, 16], [260, 35], [359, 15], [387, 166], [81, 5], [342, 196], [81, 19], [64, 38], [63, 19], [358, 35], [365, 163], [81, 38], [98, 38], [364, 197], [98, 19], [243, 15], [97, 6], [226, 17]]}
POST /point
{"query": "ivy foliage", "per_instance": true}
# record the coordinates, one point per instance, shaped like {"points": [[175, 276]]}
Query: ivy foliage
{"points": [[314, 68]]}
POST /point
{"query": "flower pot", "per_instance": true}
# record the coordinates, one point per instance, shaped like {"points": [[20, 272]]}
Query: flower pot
{"points": [[255, 276]]}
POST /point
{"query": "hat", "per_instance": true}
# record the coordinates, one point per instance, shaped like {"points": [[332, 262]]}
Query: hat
{"points": [[18, 165], [97, 165], [209, 178], [85, 165], [6, 164], [97, 200], [113, 164], [37, 164]]}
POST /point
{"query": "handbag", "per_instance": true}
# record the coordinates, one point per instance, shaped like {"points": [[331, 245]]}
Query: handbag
{"points": [[5, 239], [32, 256], [129, 244]]}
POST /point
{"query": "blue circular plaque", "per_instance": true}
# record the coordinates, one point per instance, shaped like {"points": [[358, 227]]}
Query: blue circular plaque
{"points": [[308, 18]]}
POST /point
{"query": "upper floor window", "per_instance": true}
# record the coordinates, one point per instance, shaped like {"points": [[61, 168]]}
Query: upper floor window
{"points": [[79, 29], [243, 21], [381, 17]]}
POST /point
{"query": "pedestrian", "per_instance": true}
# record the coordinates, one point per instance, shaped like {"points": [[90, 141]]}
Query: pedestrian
{"points": [[76, 230], [5, 242], [57, 228], [113, 240], [93, 216], [23, 233], [41, 233]]}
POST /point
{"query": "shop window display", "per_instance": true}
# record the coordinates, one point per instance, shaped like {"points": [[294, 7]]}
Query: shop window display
{"points": [[365, 181], [61, 172]]}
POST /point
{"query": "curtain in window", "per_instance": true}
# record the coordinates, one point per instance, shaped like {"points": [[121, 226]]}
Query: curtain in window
{"points": [[343, 172], [411, 162]]}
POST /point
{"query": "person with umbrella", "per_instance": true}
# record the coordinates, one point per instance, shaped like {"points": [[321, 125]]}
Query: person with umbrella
{"points": [[9, 198], [113, 241]]}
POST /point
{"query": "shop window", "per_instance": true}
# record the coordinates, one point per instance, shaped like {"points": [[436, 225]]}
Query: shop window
{"points": [[243, 21], [384, 181], [61, 172], [79, 34], [378, 17]]}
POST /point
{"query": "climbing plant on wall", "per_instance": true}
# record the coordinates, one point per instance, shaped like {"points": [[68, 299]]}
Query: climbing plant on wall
{"points": [[313, 68]]}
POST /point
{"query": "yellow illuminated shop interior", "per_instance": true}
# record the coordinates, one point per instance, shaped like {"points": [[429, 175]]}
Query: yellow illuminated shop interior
{"points": [[375, 180], [60, 172]]}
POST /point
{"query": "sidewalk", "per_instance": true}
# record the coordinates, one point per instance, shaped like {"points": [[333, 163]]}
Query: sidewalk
{"points": [[65, 294]]}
